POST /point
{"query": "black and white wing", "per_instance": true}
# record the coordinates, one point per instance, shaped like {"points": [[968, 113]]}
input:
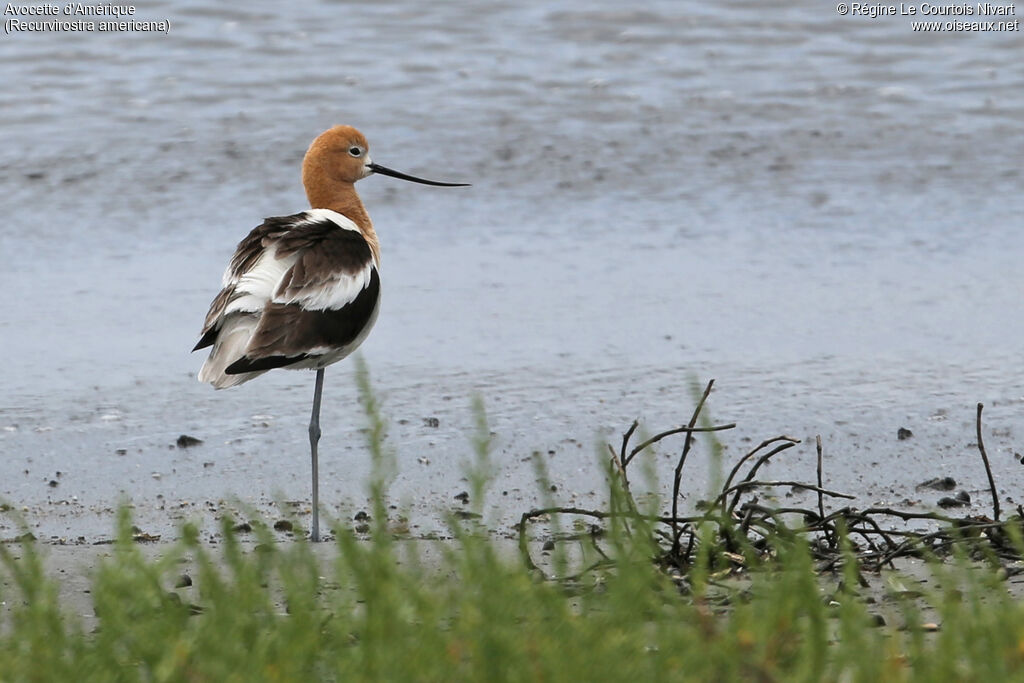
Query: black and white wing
{"points": [[301, 291]]}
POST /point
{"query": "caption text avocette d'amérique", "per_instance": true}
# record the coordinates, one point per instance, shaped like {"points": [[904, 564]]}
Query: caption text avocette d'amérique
{"points": [[78, 16]]}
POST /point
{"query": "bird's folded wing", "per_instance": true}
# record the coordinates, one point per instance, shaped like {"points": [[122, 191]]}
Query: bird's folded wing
{"points": [[316, 259]]}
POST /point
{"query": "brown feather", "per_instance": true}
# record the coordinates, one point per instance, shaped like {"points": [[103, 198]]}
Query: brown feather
{"points": [[291, 333]]}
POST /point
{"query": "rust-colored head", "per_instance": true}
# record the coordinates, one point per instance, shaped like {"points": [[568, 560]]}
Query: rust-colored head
{"points": [[336, 160], [338, 155]]}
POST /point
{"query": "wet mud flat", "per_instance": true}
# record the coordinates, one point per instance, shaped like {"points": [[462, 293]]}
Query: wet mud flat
{"points": [[820, 214], [920, 462]]}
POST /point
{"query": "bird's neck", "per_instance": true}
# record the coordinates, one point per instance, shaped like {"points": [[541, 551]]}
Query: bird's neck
{"points": [[342, 198]]}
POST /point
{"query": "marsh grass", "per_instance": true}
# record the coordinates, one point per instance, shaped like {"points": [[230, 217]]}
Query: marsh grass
{"points": [[378, 610]]}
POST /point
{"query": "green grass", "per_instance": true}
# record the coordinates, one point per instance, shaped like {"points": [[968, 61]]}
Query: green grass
{"points": [[274, 612], [375, 610]]}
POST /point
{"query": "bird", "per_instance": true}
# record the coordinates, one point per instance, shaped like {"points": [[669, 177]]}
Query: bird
{"points": [[303, 291]]}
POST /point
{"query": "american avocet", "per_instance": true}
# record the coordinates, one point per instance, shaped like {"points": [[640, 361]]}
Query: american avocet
{"points": [[303, 291]]}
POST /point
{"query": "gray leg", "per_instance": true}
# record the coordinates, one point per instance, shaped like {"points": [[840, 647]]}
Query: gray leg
{"points": [[314, 437]]}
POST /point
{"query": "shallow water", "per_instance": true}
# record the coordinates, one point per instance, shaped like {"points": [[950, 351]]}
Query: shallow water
{"points": [[820, 212]]}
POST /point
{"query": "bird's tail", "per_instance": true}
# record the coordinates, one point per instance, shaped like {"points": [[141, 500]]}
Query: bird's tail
{"points": [[232, 340]]}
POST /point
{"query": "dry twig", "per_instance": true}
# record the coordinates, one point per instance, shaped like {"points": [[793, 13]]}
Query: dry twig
{"points": [[757, 528]]}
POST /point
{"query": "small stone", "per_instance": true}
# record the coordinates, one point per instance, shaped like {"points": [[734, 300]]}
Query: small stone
{"points": [[548, 545], [361, 516], [432, 422], [964, 497], [122, 451], [242, 528], [362, 528], [283, 525], [462, 497], [186, 441], [183, 581], [53, 484], [938, 484], [948, 502], [903, 434]]}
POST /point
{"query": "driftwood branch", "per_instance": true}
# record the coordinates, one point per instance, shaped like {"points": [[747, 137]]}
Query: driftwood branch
{"points": [[677, 478], [988, 468], [678, 430], [736, 531]]}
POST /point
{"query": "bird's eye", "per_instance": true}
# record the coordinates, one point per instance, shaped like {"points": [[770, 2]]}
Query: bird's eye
{"points": [[355, 151]]}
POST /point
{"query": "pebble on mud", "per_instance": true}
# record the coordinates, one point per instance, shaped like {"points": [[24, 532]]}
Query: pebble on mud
{"points": [[431, 422], [962, 499], [183, 581], [283, 525], [186, 441], [903, 434], [939, 484], [462, 497], [242, 528]]}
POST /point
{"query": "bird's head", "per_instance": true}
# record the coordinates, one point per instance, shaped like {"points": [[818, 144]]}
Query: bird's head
{"points": [[342, 154]]}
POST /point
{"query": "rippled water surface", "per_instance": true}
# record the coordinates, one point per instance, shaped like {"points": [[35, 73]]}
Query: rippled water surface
{"points": [[821, 212]]}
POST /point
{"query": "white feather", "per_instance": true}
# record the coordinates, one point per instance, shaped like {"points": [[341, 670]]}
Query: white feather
{"points": [[230, 346], [260, 282], [331, 295], [314, 215], [257, 284]]}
